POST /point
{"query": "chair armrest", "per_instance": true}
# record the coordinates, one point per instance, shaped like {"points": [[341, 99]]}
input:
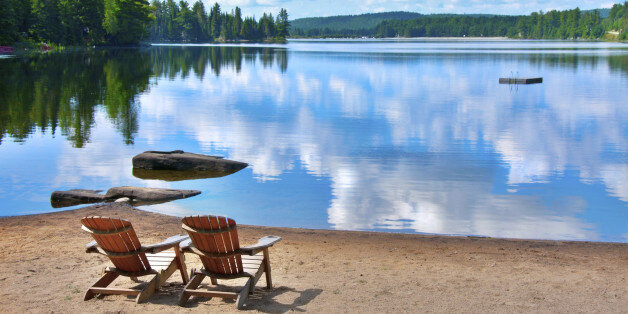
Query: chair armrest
{"points": [[186, 245], [168, 243], [261, 244]]}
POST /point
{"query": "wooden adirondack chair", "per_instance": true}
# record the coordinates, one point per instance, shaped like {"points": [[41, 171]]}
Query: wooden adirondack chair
{"points": [[116, 239], [215, 240]]}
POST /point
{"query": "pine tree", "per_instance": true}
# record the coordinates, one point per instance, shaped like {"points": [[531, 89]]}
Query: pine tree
{"points": [[173, 25], [282, 24], [8, 23], [237, 23], [126, 21], [202, 20], [215, 20], [189, 26], [91, 14], [46, 25]]}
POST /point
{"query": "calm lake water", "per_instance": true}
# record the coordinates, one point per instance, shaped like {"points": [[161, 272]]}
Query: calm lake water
{"points": [[397, 136]]}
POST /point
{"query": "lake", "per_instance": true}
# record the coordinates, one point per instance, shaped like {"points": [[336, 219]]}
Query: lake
{"points": [[411, 136]]}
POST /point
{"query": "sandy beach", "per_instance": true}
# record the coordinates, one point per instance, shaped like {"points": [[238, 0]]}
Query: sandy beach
{"points": [[43, 268]]}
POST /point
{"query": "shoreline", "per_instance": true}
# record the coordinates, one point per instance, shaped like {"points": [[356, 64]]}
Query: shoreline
{"points": [[461, 236], [44, 267]]}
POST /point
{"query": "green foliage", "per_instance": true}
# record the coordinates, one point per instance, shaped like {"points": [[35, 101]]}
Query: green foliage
{"points": [[8, 23], [46, 22], [282, 24], [91, 14], [175, 22], [73, 22], [126, 21], [568, 24], [349, 22], [618, 20]]}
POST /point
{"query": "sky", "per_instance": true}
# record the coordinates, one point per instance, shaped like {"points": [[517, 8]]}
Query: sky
{"points": [[313, 8]]}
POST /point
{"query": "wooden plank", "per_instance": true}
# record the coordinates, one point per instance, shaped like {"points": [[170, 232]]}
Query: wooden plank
{"points": [[114, 291], [244, 294], [194, 282], [236, 243], [108, 243], [180, 260], [269, 280], [219, 294], [220, 245], [104, 281], [149, 290], [133, 244], [205, 243], [226, 238]]}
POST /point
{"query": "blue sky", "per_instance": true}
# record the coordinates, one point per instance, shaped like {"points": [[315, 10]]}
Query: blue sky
{"points": [[310, 8]]}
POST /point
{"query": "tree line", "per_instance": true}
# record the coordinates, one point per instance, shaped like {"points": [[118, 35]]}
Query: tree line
{"points": [[567, 24], [350, 22], [73, 22], [176, 22], [127, 22]]}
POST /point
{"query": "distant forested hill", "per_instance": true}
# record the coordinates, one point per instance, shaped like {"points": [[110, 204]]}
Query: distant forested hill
{"points": [[603, 12], [350, 22], [568, 24]]}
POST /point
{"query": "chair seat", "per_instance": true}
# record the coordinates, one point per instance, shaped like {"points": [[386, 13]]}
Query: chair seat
{"points": [[251, 264], [160, 261]]}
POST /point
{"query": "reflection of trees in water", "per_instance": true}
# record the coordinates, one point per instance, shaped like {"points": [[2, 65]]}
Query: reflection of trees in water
{"points": [[60, 92], [573, 61], [618, 63], [173, 61]]}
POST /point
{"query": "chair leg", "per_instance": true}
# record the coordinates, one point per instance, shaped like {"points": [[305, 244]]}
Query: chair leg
{"points": [[244, 294], [214, 281], [194, 282], [104, 281], [149, 290], [181, 264], [269, 280]]}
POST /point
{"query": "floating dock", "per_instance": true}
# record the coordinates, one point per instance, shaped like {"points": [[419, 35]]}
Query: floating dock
{"points": [[531, 80]]}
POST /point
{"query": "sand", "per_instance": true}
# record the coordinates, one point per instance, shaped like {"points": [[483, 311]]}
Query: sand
{"points": [[43, 268]]}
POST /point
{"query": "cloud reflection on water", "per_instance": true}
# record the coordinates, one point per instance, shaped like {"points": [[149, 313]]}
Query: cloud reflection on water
{"points": [[406, 141], [449, 109]]}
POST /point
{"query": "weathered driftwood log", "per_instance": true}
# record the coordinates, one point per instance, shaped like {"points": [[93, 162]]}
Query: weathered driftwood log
{"points": [[75, 197], [135, 195], [182, 161]]}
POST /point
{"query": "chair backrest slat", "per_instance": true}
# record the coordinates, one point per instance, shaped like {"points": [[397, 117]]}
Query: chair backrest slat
{"points": [[222, 239], [220, 243], [118, 241], [229, 246], [210, 243], [236, 243], [105, 241], [215, 242], [200, 241]]}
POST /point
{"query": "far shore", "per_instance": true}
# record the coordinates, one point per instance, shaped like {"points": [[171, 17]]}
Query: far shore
{"points": [[470, 38], [44, 268]]}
